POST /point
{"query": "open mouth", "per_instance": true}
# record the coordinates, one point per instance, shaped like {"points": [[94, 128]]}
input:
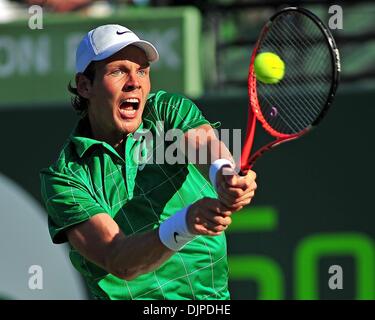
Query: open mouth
{"points": [[129, 107]]}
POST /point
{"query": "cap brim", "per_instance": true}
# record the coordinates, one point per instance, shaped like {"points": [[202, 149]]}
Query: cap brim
{"points": [[150, 51]]}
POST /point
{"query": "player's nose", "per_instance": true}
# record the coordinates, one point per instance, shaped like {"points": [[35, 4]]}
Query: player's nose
{"points": [[132, 82]]}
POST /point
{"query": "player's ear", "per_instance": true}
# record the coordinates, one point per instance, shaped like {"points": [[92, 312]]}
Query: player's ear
{"points": [[83, 85]]}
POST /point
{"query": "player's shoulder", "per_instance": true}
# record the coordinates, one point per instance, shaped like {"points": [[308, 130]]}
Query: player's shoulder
{"points": [[66, 161], [164, 98], [70, 157]]}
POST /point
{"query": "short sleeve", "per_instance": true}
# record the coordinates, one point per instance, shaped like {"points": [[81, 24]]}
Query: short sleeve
{"points": [[179, 112], [67, 201]]}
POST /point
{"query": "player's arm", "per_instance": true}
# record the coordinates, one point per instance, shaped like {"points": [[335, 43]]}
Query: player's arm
{"points": [[101, 241], [202, 147]]}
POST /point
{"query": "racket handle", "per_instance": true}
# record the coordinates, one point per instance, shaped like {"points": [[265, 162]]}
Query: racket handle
{"points": [[243, 172]]}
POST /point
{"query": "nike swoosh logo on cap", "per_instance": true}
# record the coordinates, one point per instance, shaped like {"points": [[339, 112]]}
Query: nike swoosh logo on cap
{"points": [[119, 33]]}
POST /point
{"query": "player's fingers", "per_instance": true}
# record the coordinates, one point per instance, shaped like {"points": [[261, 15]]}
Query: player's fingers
{"points": [[202, 226], [237, 208], [231, 192], [232, 180], [211, 206], [213, 227], [251, 175], [225, 199], [220, 220], [238, 193], [243, 182], [241, 204], [247, 195], [206, 227], [236, 205], [246, 198], [214, 215], [249, 186], [217, 207]]}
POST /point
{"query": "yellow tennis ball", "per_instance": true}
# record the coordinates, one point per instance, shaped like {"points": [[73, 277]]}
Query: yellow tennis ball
{"points": [[269, 68]]}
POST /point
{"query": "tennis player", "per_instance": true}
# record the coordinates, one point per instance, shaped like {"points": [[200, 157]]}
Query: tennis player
{"points": [[140, 231]]}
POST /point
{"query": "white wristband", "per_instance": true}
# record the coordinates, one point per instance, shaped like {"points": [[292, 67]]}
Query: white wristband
{"points": [[174, 233], [215, 167]]}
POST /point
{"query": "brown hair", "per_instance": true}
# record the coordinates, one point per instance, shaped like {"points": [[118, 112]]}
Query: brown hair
{"points": [[79, 103]]}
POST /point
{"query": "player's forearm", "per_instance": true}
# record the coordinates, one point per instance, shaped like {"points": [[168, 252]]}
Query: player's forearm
{"points": [[202, 147], [137, 254], [219, 151]]}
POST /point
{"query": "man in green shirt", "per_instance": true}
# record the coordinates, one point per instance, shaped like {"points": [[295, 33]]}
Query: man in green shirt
{"points": [[141, 229]]}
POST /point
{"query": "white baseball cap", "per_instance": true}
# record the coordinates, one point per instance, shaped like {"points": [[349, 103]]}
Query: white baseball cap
{"points": [[104, 41]]}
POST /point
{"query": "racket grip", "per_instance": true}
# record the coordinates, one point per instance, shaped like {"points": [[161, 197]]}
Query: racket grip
{"points": [[243, 172]]}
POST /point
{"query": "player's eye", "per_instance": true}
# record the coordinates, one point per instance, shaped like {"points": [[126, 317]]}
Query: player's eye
{"points": [[117, 72], [142, 72]]}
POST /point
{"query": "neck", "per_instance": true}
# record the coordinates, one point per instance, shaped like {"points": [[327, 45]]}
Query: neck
{"points": [[114, 139]]}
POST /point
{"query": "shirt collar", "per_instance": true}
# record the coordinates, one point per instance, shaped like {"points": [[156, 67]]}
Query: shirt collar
{"points": [[82, 141]]}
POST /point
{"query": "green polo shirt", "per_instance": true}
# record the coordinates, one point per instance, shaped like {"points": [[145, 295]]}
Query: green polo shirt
{"points": [[90, 177]]}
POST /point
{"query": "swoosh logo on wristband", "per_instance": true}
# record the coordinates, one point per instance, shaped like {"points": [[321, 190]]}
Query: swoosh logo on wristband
{"points": [[175, 234]]}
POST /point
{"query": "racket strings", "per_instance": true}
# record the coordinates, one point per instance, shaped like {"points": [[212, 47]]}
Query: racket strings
{"points": [[321, 54], [308, 96], [295, 102], [301, 99]]}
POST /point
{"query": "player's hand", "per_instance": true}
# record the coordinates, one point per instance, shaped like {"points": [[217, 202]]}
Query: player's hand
{"points": [[208, 216], [235, 191]]}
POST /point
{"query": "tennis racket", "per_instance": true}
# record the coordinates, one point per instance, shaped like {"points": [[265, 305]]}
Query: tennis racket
{"points": [[297, 103]]}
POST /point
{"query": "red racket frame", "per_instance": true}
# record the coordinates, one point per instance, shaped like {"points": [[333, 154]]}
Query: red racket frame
{"points": [[254, 111]]}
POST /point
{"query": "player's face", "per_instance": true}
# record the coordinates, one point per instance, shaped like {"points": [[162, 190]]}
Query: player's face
{"points": [[119, 92]]}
